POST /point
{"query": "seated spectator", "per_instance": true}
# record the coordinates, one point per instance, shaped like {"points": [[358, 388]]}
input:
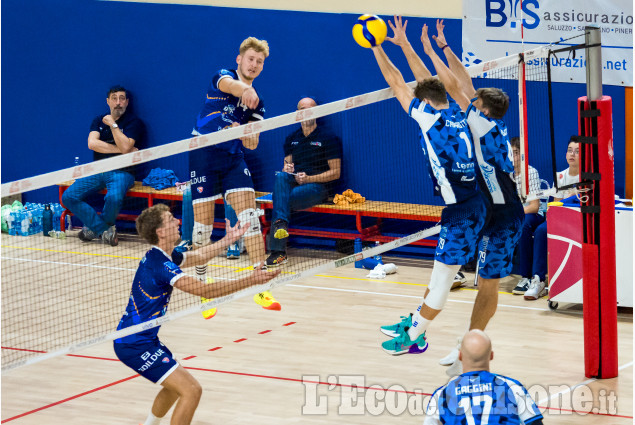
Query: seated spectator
{"points": [[312, 161], [529, 264], [110, 134], [537, 286]]}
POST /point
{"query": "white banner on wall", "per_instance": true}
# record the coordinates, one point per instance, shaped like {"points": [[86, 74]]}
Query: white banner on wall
{"points": [[491, 28]]}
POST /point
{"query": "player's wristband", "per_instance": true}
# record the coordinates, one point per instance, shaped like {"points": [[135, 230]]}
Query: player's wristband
{"points": [[443, 48]]}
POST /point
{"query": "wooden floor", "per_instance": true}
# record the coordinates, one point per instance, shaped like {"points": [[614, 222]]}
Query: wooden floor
{"points": [[252, 362]]}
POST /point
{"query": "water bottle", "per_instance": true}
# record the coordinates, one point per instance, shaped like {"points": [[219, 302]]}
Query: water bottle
{"points": [[47, 220], [57, 214], [357, 248], [69, 222], [11, 223], [24, 224], [378, 256]]}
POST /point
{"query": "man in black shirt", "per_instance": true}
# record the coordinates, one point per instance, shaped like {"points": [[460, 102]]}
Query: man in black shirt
{"points": [[312, 160], [110, 134]]}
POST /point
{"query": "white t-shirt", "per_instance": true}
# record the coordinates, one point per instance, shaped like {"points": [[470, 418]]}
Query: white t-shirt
{"points": [[565, 179], [534, 187]]}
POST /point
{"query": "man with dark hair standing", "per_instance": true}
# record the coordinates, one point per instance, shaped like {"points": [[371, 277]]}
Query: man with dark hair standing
{"points": [[312, 160], [112, 134]]}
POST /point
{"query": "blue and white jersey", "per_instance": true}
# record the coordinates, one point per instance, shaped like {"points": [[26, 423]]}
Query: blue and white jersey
{"points": [[151, 291], [481, 398], [494, 156], [221, 109], [448, 149]]}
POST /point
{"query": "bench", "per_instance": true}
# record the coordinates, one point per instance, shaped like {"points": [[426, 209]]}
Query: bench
{"points": [[375, 209]]}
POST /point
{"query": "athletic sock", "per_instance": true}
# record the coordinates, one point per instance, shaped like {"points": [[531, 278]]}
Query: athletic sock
{"points": [[152, 420], [419, 326]]}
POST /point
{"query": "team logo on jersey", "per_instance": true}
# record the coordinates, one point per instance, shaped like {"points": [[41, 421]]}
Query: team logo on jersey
{"points": [[200, 189], [247, 173], [166, 360], [316, 144]]}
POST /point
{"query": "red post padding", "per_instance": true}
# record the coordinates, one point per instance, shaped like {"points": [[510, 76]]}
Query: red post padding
{"points": [[600, 290]]}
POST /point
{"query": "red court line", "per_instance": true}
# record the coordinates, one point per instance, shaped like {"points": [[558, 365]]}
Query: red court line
{"points": [[215, 348], [241, 340], [70, 398], [23, 349], [288, 324], [264, 332], [188, 358]]}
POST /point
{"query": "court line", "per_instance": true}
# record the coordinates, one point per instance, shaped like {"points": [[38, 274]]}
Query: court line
{"points": [[70, 252], [69, 398], [320, 287], [588, 381]]}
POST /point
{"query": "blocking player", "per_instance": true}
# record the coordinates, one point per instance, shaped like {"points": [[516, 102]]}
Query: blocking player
{"points": [[478, 396], [485, 109], [220, 170], [158, 273], [448, 155]]}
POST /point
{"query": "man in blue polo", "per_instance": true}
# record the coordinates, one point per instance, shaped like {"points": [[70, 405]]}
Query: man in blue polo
{"points": [[312, 161], [112, 134]]}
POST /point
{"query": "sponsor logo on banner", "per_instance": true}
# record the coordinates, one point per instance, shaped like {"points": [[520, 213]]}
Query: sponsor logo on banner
{"points": [[142, 155], [353, 102], [303, 114], [256, 126], [492, 28], [19, 186]]}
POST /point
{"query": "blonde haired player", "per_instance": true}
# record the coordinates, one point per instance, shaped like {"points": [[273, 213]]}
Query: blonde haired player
{"points": [[220, 170], [158, 273]]}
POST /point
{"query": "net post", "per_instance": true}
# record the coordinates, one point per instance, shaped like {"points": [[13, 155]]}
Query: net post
{"points": [[598, 220]]}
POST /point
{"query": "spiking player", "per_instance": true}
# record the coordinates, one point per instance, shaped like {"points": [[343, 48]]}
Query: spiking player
{"points": [[448, 154], [158, 273], [485, 109], [218, 170], [478, 396]]}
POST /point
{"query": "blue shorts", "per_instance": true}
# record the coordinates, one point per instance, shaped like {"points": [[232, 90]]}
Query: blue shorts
{"points": [[152, 360], [500, 237], [461, 226], [214, 172]]}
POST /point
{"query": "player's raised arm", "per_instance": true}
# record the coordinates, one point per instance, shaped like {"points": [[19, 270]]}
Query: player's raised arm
{"points": [[454, 63], [245, 92], [399, 38], [444, 74], [394, 78]]}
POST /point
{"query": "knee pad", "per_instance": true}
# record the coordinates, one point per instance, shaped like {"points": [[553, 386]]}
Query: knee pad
{"points": [[440, 284], [201, 234], [249, 217]]}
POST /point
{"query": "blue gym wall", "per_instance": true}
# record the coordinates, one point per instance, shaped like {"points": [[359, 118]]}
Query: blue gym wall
{"points": [[60, 57]]}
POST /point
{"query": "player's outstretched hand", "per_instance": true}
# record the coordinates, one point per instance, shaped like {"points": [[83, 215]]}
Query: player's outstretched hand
{"points": [[425, 40], [232, 234], [260, 275], [440, 37], [250, 98], [399, 32]]}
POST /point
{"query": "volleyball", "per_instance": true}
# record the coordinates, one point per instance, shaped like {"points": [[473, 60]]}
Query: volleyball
{"points": [[369, 31]]}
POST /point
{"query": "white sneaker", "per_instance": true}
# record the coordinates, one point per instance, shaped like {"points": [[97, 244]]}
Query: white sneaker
{"points": [[459, 280], [522, 286], [536, 289], [455, 369], [453, 356]]}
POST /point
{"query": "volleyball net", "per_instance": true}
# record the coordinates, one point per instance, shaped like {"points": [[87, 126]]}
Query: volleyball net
{"points": [[61, 294]]}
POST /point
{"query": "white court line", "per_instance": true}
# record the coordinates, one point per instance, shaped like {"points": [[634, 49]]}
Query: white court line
{"points": [[300, 286], [588, 381], [68, 264]]}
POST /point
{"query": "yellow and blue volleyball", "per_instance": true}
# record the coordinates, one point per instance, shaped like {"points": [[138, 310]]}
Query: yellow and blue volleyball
{"points": [[369, 31]]}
